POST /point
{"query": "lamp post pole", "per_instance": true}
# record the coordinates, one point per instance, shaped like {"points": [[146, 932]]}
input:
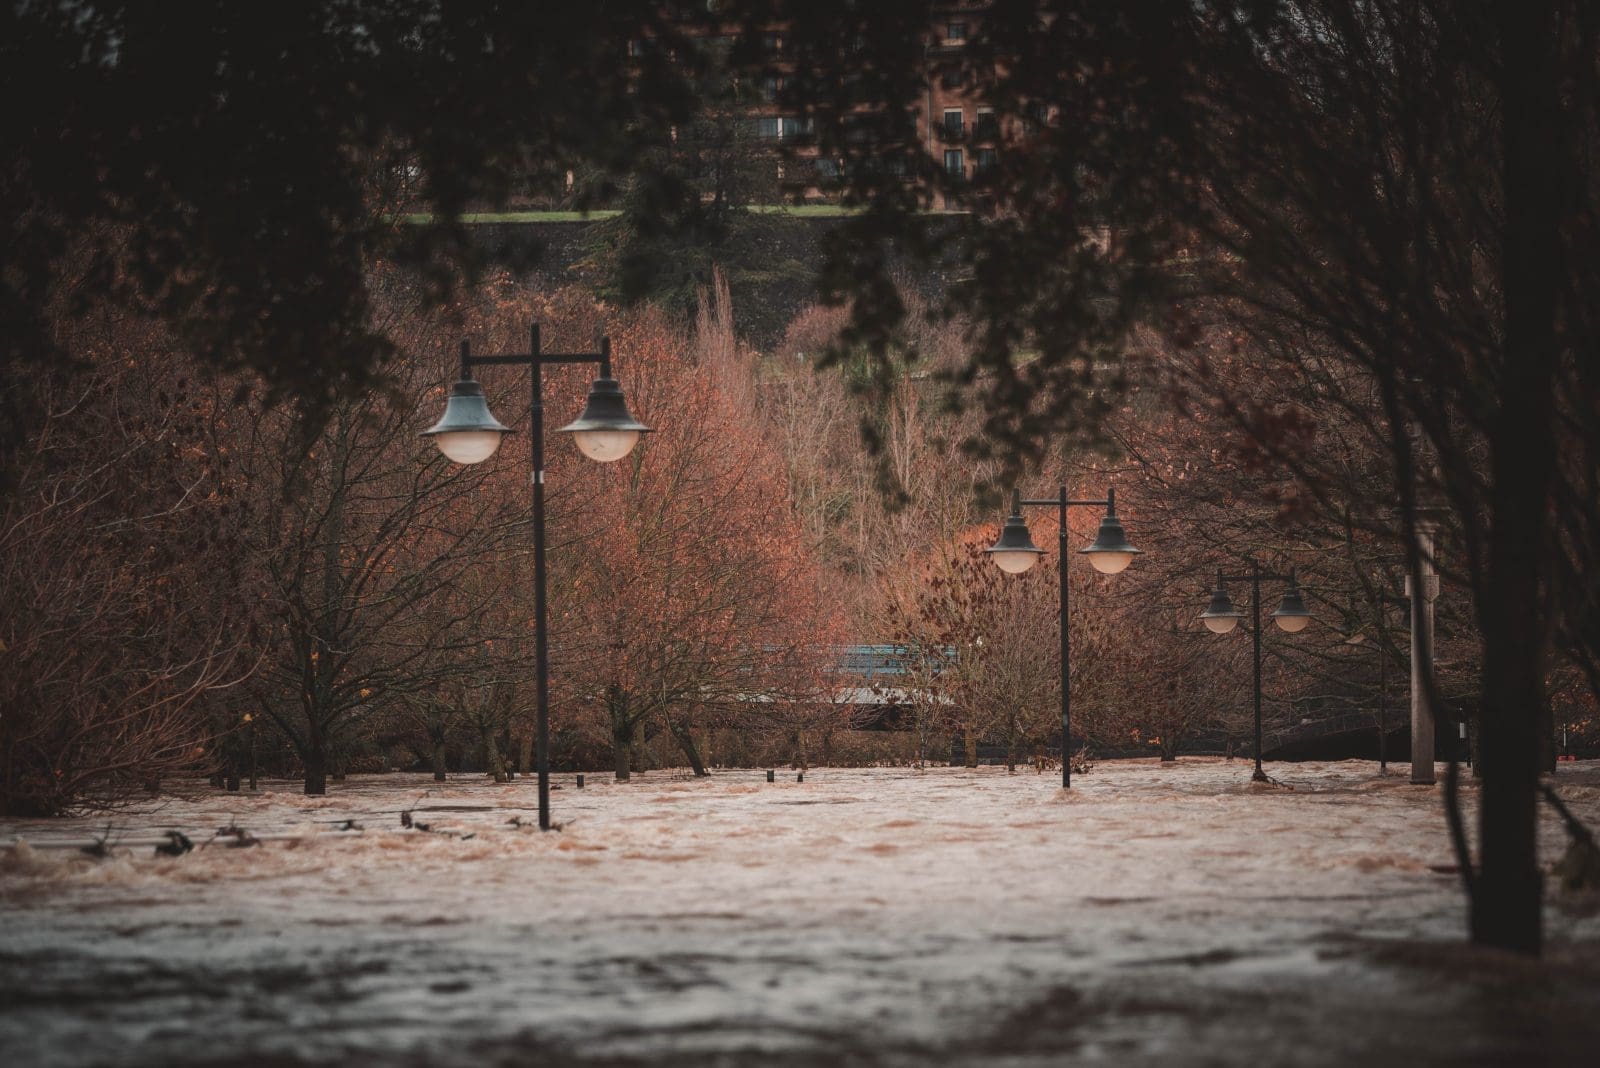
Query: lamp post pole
{"points": [[1255, 641], [1422, 710], [469, 434], [1290, 615], [1110, 553]]}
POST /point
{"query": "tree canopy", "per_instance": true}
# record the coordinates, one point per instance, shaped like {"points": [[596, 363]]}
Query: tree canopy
{"points": [[235, 169]]}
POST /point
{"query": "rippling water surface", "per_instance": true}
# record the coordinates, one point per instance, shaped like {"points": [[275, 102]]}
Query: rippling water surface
{"points": [[1166, 915]]}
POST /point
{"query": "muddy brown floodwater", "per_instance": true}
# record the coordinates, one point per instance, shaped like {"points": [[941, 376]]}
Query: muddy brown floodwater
{"points": [[1169, 915]]}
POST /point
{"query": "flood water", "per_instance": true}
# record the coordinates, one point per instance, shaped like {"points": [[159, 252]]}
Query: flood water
{"points": [[1169, 915]]}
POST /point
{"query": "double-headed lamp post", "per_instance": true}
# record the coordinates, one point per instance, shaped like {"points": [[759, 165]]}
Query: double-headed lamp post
{"points": [[1291, 616], [1109, 554], [468, 434]]}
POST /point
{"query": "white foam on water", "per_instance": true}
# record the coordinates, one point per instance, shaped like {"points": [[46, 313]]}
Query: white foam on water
{"points": [[881, 915]]}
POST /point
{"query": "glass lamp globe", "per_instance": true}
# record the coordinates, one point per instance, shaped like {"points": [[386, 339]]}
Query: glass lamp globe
{"points": [[1110, 563], [469, 446], [606, 431], [1292, 615], [1015, 552], [467, 433], [1220, 616], [1014, 561], [1111, 551], [605, 446]]}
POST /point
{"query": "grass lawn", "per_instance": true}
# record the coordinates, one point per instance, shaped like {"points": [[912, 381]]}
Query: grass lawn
{"points": [[804, 211]]}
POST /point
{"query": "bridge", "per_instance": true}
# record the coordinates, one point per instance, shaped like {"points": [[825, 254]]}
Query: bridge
{"points": [[873, 676]]}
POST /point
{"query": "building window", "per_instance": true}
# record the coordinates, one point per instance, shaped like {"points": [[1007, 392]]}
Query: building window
{"points": [[954, 123], [793, 128], [984, 127], [769, 128], [986, 159], [771, 86], [955, 32], [827, 169], [950, 78], [953, 163], [1036, 117], [772, 43]]}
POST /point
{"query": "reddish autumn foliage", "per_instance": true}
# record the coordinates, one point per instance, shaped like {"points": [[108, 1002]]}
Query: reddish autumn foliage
{"points": [[693, 600]]}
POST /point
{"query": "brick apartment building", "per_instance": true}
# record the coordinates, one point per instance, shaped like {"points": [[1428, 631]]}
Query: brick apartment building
{"points": [[956, 129]]}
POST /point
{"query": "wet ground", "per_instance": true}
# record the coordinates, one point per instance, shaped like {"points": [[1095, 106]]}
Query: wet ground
{"points": [[1154, 915]]}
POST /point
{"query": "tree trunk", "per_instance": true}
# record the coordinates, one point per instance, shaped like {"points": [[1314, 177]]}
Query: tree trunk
{"points": [[636, 749], [1507, 894], [621, 730], [504, 747], [685, 739], [316, 760], [1506, 899], [969, 744], [491, 755], [1547, 736], [525, 752], [438, 759], [621, 740]]}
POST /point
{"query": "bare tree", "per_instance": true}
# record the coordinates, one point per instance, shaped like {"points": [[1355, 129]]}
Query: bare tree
{"points": [[116, 550]]}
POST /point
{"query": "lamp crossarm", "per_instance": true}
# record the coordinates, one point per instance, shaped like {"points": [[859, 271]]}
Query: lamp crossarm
{"points": [[1264, 576], [1057, 502], [536, 358], [525, 359]]}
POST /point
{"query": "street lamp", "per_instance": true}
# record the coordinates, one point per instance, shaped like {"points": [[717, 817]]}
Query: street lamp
{"points": [[1110, 553], [1291, 615], [468, 433]]}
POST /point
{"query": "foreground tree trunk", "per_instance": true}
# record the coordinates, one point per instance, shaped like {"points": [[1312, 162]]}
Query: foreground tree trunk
{"points": [[1506, 902], [1547, 735], [1507, 895]]}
